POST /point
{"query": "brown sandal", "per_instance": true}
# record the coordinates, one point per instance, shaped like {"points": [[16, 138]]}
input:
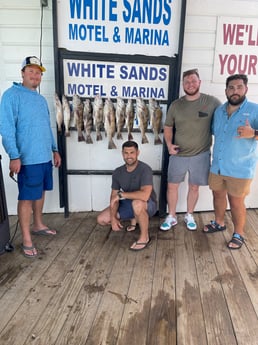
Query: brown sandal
{"points": [[131, 227]]}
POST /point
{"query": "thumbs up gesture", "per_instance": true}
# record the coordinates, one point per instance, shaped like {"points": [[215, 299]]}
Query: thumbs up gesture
{"points": [[245, 131]]}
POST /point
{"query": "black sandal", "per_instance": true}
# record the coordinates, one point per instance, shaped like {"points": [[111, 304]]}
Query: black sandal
{"points": [[213, 227], [236, 239]]}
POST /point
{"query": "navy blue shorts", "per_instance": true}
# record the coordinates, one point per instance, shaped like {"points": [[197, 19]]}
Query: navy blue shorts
{"points": [[34, 179], [125, 209]]}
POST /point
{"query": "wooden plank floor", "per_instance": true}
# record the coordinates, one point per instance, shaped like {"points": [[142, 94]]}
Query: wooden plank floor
{"points": [[86, 287]]}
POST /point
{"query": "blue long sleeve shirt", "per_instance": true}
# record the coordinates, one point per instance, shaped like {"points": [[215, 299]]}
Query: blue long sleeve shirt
{"points": [[233, 156], [25, 126]]}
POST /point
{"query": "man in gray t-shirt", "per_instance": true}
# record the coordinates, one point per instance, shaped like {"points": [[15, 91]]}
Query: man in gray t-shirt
{"points": [[132, 196]]}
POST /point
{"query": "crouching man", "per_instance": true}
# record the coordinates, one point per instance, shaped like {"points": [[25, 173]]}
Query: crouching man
{"points": [[132, 197]]}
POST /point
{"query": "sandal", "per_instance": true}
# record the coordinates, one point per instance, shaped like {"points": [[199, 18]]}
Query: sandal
{"points": [[213, 227], [236, 239], [29, 251], [142, 244], [131, 227]]}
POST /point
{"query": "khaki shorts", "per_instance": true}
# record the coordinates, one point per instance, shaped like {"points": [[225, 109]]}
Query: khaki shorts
{"points": [[238, 187]]}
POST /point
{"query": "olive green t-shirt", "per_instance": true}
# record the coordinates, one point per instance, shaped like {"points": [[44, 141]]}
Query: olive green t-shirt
{"points": [[192, 121]]}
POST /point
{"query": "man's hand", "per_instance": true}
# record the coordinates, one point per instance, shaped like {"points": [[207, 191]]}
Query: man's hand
{"points": [[57, 159], [245, 131], [15, 166], [116, 225], [173, 149]]}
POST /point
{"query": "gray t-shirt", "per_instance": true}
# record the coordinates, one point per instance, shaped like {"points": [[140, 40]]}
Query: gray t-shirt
{"points": [[192, 121], [134, 180]]}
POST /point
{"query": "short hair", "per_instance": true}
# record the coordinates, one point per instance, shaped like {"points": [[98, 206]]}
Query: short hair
{"points": [[235, 77], [130, 143], [191, 71]]}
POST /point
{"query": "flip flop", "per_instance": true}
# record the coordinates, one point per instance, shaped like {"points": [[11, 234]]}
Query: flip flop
{"points": [[144, 244], [26, 248], [44, 232], [131, 227]]}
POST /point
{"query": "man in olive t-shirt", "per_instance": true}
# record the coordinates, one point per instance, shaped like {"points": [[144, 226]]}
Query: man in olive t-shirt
{"points": [[187, 132]]}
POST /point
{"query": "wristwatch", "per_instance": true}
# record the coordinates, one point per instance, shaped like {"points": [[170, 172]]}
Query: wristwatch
{"points": [[256, 132], [119, 193]]}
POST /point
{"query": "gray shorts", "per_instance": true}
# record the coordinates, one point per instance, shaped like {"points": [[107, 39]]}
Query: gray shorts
{"points": [[197, 166]]}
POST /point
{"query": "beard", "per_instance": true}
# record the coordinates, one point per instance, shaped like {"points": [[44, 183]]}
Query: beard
{"points": [[235, 101], [192, 93]]}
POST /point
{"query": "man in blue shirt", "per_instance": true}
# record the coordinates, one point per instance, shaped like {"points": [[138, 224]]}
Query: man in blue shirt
{"points": [[233, 166], [28, 140]]}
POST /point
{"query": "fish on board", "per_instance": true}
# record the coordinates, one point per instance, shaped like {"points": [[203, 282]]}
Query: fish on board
{"points": [[110, 122], [59, 112], [98, 116], [78, 116], [156, 118], [142, 113], [129, 118], [120, 117], [88, 120], [66, 115]]}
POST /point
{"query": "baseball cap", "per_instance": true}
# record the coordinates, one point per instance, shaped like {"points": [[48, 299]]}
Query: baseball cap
{"points": [[32, 60]]}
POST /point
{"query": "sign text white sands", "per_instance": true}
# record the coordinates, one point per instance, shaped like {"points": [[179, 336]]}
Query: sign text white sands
{"points": [[147, 27], [112, 79]]}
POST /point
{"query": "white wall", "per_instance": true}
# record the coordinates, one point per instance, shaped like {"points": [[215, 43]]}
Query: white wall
{"points": [[199, 50], [20, 37]]}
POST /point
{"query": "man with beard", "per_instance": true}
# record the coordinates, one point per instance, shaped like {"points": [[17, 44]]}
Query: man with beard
{"points": [[132, 196], [234, 157], [187, 132]]}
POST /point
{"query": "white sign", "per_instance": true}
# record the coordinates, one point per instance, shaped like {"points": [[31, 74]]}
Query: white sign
{"points": [[236, 48], [147, 27], [112, 79]]}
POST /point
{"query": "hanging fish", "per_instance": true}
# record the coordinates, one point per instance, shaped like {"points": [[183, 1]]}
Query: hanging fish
{"points": [[120, 117], [88, 120], [98, 116], [110, 122], [156, 117], [59, 113], [66, 115], [143, 116], [78, 116], [129, 115]]}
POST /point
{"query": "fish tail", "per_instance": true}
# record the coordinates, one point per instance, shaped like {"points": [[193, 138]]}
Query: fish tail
{"points": [[130, 136], [144, 139], [89, 139], [157, 141], [119, 135], [111, 145]]}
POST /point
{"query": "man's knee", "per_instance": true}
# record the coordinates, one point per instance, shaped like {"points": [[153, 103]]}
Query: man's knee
{"points": [[139, 206]]}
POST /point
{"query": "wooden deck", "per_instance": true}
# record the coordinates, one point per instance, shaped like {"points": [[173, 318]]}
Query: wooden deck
{"points": [[86, 287]]}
